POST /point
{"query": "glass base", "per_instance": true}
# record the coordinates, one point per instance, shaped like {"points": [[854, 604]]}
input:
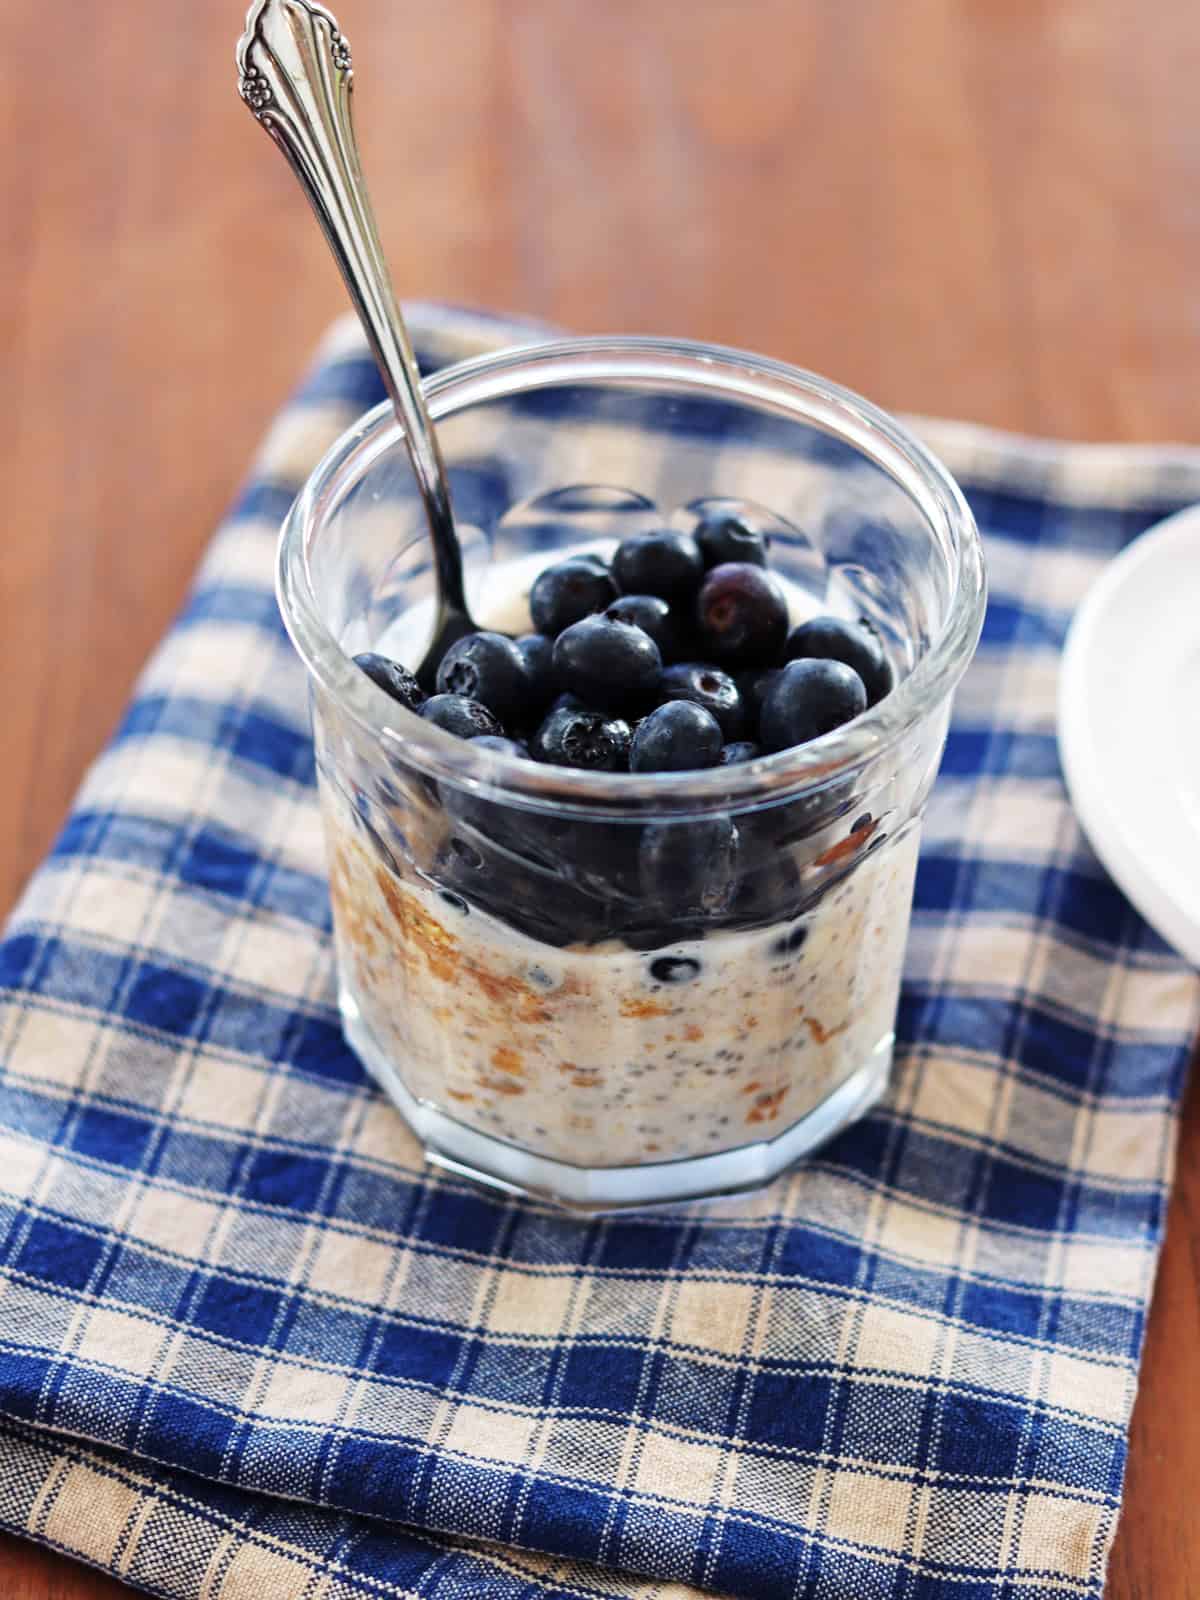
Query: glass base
{"points": [[590, 1191]]}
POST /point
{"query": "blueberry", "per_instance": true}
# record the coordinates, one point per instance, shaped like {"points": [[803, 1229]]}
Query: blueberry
{"points": [[538, 653], [690, 867], [614, 666], [768, 889], [603, 859], [793, 821], [458, 715], [740, 750], [654, 616], [708, 687], [741, 615], [464, 806], [807, 699], [677, 737], [727, 535], [831, 639], [654, 935], [549, 910], [666, 563], [568, 591], [790, 943], [392, 678], [487, 667], [752, 685], [458, 863], [533, 843], [581, 738], [674, 969], [462, 854]]}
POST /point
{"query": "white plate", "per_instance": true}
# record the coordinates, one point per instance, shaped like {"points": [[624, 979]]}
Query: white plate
{"points": [[1129, 725]]}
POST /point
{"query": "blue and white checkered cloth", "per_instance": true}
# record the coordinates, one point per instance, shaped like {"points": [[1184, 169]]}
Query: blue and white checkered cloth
{"points": [[249, 1347]]}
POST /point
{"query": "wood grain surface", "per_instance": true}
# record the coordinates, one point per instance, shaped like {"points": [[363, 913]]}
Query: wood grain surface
{"points": [[985, 209]]}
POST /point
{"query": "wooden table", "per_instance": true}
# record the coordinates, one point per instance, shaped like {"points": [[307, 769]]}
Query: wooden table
{"points": [[986, 209]]}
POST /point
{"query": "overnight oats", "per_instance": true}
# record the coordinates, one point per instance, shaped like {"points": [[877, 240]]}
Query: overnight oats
{"points": [[621, 899]]}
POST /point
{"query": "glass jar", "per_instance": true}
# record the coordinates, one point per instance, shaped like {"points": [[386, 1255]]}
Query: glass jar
{"points": [[604, 989]]}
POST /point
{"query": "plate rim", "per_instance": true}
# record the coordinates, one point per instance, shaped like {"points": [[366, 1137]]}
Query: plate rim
{"points": [[1107, 837]]}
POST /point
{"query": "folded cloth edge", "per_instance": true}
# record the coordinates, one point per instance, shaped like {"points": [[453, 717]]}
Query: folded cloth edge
{"points": [[1092, 476]]}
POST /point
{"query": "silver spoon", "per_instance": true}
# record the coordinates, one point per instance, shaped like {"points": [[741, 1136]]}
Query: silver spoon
{"points": [[295, 74]]}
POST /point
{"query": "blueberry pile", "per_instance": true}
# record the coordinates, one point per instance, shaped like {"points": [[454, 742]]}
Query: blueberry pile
{"points": [[675, 655]]}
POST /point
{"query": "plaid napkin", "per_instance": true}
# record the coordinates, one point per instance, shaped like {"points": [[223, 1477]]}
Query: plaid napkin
{"points": [[250, 1348]]}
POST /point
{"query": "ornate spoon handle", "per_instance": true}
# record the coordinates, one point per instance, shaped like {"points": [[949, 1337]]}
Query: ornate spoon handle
{"points": [[295, 74]]}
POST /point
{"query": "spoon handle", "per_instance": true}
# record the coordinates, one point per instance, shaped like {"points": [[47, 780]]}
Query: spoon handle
{"points": [[295, 74]]}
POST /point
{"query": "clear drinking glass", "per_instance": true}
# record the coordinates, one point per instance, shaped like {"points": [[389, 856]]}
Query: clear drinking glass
{"points": [[613, 990]]}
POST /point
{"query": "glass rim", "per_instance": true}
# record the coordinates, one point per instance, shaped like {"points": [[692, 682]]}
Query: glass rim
{"points": [[646, 361]]}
